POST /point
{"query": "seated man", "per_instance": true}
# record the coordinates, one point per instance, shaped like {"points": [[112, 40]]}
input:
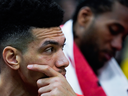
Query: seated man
{"points": [[31, 46], [93, 36]]}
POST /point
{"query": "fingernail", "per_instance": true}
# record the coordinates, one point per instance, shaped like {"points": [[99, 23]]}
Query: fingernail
{"points": [[29, 66]]}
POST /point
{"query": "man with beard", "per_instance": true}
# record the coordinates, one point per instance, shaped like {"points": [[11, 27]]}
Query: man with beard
{"points": [[32, 61], [93, 36]]}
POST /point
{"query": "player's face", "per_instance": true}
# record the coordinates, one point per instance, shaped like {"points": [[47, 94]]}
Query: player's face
{"points": [[105, 35], [46, 49]]}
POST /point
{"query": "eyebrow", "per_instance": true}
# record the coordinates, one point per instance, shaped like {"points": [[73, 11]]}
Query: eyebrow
{"points": [[50, 42]]}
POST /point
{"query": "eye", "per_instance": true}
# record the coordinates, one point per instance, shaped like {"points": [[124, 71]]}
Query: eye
{"points": [[63, 46], [49, 50], [114, 30]]}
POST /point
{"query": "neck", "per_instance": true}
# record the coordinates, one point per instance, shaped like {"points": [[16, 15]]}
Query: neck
{"points": [[12, 85]]}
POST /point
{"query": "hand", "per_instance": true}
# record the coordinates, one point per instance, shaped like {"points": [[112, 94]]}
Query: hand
{"points": [[55, 85]]}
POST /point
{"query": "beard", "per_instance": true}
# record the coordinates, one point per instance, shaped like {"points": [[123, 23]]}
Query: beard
{"points": [[92, 57], [89, 47]]}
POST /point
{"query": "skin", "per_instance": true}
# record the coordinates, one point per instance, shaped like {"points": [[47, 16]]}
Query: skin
{"points": [[56, 85], [46, 49], [99, 37], [45, 75]]}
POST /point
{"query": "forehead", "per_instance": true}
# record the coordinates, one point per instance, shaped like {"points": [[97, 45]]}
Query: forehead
{"points": [[118, 15], [120, 12], [43, 33]]}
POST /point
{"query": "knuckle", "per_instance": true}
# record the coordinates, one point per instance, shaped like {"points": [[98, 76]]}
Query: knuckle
{"points": [[35, 66], [39, 82], [39, 91], [47, 67], [57, 79], [54, 93], [57, 85]]}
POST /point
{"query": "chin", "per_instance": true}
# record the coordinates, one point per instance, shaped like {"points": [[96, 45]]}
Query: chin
{"points": [[102, 63]]}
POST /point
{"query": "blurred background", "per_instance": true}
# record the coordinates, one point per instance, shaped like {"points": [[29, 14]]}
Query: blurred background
{"points": [[69, 7]]}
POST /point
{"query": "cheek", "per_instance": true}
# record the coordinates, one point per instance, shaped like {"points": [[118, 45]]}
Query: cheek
{"points": [[103, 39], [105, 42], [46, 60], [26, 74]]}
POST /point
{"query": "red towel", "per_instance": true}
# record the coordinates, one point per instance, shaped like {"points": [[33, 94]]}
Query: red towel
{"points": [[88, 81]]}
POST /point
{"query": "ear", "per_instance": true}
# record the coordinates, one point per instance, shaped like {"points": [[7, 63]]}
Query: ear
{"points": [[84, 16], [12, 57]]}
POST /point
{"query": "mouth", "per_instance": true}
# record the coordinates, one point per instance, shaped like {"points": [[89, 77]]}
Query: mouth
{"points": [[63, 72], [108, 55]]}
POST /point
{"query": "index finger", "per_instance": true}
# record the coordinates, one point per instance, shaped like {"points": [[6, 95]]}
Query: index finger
{"points": [[47, 70]]}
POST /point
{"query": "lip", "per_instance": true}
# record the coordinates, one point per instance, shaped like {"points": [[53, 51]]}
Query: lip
{"points": [[63, 72], [107, 56]]}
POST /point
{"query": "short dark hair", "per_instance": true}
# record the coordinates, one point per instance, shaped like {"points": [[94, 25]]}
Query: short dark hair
{"points": [[97, 6], [17, 17]]}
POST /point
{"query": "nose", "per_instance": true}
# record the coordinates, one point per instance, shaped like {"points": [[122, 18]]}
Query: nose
{"points": [[61, 60], [116, 43]]}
